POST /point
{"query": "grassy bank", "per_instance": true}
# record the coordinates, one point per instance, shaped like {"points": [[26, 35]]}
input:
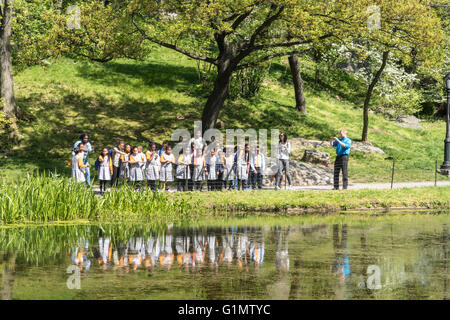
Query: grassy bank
{"points": [[318, 201], [48, 199], [141, 100], [42, 199]]}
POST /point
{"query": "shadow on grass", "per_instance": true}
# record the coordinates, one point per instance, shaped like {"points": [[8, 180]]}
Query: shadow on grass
{"points": [[60, 123], [336, 82]]}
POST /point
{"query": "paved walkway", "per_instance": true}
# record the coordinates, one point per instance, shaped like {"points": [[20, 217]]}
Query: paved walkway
{"points": [[354, 186]]}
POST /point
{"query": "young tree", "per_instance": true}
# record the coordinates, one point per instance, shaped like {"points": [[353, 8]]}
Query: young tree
{"points": [[403, 26], [231, 34]]}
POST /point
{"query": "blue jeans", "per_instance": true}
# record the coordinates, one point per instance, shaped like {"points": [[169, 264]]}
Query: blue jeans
{"points": [[87, 174]]}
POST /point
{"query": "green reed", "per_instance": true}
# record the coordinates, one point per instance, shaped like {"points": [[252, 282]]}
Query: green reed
{"points": [[49, 197]]}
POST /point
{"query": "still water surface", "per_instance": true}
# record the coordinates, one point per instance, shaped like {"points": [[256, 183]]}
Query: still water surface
{"points": [[371, 259]]}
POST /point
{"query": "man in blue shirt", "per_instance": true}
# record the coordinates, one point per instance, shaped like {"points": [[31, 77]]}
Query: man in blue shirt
{"points": [[342, 146], [84, 138]]}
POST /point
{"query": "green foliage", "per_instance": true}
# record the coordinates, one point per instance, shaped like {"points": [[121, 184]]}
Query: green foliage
{"points": [[105, 32], [5, 131], [33, 38], [44, 198], [246, 83]]}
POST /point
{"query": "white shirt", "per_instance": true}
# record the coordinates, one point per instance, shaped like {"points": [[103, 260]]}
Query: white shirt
{"points": [[282, 152], [261, 162]]}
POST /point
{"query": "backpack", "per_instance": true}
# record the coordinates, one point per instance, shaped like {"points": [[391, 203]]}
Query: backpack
{"points": [[97, 165]]}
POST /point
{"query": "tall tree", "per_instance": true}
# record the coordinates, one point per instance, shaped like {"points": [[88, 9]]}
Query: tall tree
{"points": [[10, 107], [297, 80], [232, 34]]}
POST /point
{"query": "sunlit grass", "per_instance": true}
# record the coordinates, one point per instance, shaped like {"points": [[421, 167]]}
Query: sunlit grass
{"points": [[48, 198]]}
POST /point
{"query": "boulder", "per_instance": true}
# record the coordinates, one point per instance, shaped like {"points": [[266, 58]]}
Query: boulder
{"points": [[409, 122], [317, 157], [302, 174]]}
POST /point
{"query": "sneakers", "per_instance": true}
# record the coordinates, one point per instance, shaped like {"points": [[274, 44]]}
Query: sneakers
{"points": [[277, 188], [290, 188]]}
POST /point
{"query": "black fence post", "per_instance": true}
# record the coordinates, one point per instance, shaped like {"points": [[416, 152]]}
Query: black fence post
{"points": [[393, 170]]}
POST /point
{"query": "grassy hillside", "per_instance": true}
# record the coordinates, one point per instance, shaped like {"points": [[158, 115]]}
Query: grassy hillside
{"points": [[141, 100]]}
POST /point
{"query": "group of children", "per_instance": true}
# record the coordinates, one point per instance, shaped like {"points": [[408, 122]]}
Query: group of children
{"points": [[220, 168]]}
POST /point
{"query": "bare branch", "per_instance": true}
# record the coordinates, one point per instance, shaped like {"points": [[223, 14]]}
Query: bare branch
{"points": [[171, 46]]}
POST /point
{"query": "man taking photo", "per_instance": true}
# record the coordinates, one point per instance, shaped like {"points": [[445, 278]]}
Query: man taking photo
{"points": [[342, 146]]}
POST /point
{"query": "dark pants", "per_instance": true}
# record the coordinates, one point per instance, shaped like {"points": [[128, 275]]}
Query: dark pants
{"points": [[257, 178], [152, 184], [103, 185], [219, 182], [115, 176], [283, 166], [181, 186], [341, 163], [191, 181]]}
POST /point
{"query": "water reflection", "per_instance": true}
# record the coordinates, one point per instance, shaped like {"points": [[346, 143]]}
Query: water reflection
{"points": [[279, 262], [189, 251]]}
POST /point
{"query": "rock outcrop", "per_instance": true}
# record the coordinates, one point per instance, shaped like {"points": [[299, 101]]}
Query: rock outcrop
{"points": [[302, 174], [317, 157]]}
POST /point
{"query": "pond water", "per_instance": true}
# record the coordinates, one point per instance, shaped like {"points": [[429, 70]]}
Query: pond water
{"points": [[369, 258]]}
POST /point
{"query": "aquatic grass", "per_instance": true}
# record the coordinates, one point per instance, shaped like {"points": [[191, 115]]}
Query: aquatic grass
{"points": [[49, 197]]}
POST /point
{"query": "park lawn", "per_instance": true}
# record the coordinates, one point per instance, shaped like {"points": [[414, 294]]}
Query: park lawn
{"points": [[317, 200], [141, 100]]}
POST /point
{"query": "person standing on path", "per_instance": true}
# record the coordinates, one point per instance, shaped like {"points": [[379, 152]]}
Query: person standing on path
{"points": [[84, 138], [283, 149], [342, 146]]}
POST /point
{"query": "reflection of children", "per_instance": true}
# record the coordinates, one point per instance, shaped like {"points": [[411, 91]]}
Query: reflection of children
{"points": [[105, 170], [136, 175], [166, 257], [167, 161], [153, 166]]}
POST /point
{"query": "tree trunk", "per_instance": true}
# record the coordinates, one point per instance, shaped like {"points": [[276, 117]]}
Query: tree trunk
{"points": [[6, 79], [217, 98], [369, 95], [297, 80]]}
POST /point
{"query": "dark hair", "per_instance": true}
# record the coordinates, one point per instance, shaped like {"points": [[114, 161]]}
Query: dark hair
{"points": [[283, 134], [83, 135], [125, 148], [133, 147], [101, 152], [120, 142], [76, 150], [165, 142]]}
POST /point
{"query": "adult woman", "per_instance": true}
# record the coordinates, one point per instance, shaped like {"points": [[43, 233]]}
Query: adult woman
{"points": [[283, 148]]}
